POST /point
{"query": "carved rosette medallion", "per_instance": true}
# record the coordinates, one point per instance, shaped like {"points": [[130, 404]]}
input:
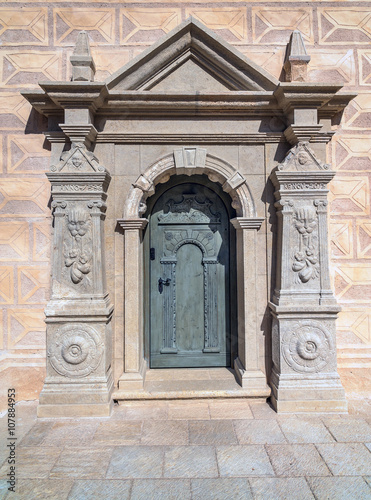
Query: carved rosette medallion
{"points": [[308, 347], [75, 351]]}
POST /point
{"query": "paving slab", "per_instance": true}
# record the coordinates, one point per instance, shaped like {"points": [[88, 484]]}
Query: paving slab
{"points": [[161, 489], [340, 488], [243, 461], [293, 460], [82, 463], [136, 462], [212, 432], [346, 459], [190, 462], [230, 409], [37, 434], [258, 432], [305, 430], [188, 410], [118, 433], [349, 430], [33, 462], [156, 432], [100, 489], [35, 489], [221, 489], [270, 488]]}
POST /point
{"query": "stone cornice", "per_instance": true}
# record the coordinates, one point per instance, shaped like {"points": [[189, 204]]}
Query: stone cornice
{"points": [[247, 222]]}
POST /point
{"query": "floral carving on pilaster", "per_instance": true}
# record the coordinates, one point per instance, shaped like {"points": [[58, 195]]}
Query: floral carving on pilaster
{"points": [[306, 263], [78, 247]]}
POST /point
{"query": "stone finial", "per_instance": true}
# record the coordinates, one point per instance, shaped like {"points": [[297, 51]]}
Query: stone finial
{"points": [[297, 59], [83, 67]]}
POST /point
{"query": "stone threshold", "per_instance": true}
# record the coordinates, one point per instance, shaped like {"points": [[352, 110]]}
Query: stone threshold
{"points": [[193, 383]]}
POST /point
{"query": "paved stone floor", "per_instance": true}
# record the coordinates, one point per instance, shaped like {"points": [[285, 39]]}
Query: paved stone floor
{"points": [[200, 449]]}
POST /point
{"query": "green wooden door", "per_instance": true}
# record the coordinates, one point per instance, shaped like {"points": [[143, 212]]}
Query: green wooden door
{"points": [[189, 279]]}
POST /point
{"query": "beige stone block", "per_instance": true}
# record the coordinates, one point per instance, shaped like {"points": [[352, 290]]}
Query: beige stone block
{"points": [[305, 430], [258, 432], [357, 321], [24, 198], [351, 152], [357, 115], [341, 239], [332, 65], [26, 68], [127, 158], [26, 329], [273, 25], [346, 459], [364, 62], [353, 282], [28, 26], [338, 25], [14, 111], [33, 284], [349, 195], [230, 22], [42, 238], [363, 228], [99, 22], [6, 285], [26, 154], [144, 25]]}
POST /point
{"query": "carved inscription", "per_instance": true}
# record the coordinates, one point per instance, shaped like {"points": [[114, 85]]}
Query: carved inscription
{"points": [[79, 187], [306, 257], [75, 350], [299, 186], [307, 347]]}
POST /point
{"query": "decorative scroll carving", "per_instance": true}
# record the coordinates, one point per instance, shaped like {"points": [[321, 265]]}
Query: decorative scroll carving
{"points": [[78, 159], [301, 158], [75, 350], [307, 347], [189, 211], [306, 258], [78, 252]]}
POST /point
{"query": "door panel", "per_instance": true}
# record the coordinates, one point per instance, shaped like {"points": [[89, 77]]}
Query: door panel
{"points": [[189, 279]]}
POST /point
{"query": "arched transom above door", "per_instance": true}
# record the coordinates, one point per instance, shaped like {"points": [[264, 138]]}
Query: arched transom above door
{"points": [[190, 161]]}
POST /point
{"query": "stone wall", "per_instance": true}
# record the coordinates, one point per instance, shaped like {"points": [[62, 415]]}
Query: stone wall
{"points": [[36, 43]]}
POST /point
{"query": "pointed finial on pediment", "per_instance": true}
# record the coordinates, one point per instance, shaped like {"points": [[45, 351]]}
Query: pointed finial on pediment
{"points": [[297, 59], [83, 67]]}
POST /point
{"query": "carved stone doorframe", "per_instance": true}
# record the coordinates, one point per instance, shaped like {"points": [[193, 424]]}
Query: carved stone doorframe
{"points": [[241, 109], [190, 161]]}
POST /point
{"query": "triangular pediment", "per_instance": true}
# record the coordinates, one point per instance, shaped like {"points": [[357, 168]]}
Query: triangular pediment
{"points": [[191, 58]]}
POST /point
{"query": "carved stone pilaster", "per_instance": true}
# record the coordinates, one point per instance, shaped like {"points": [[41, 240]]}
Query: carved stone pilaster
{"points": [[79, 376], [304, 309]]}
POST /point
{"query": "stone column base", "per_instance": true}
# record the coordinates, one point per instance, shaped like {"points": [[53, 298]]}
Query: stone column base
{"points": [[322, 393], [92, 399], [253, 381]]}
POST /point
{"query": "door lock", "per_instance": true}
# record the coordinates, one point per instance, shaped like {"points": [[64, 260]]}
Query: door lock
{"points": [[162, 283]]}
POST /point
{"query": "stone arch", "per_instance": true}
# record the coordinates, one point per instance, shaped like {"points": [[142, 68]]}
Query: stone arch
{"points": [[190, 161]]}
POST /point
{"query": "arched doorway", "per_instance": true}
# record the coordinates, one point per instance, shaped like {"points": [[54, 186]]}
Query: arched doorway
{"points": [[190, 275]]}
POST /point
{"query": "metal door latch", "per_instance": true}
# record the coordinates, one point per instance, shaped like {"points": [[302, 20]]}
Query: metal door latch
{"points": [[162, 282]]}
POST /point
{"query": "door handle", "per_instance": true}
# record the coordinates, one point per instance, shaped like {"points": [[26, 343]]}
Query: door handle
{"points": [[162, 283]]}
